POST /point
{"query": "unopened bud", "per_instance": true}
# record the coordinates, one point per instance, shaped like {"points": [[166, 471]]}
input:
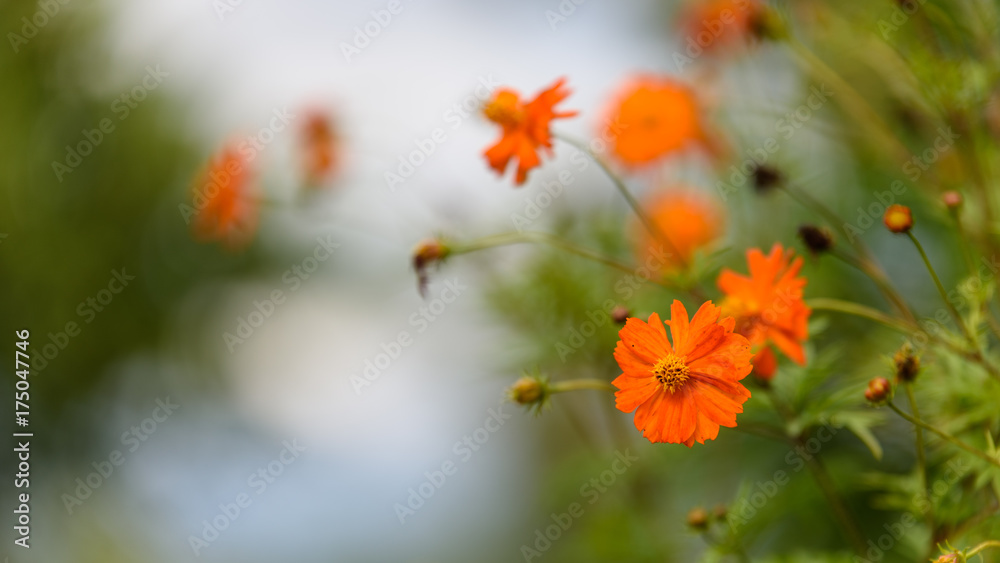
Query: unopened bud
{"points": [[697, 518], [906, 363], [620, 314], [879, 391], [766, 178], [951, 199], [816, 239], [898, 218], [532, 391], [427, 253]]}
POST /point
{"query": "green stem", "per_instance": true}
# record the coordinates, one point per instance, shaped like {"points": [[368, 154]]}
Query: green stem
{"points": [[982, 546], [823, 480], [866, 264], [578, 384], [876, 275], [963, 236], [940, 287], [858, 310], [946, 436], [851, 100], [921, 454], [648, 223], [531, 237]]}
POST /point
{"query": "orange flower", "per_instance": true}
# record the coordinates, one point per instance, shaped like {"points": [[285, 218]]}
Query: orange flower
{"points": [[226, 210], [768, 304], [525, 128], [652, 117], [765, 364], [689, 219], [710, 25], [681, 394], [319, 148]]}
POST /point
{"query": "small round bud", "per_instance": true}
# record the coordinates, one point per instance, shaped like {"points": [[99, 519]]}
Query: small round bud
{"points": [[951, 199], [697, 518], [817, 239], [620, 314], [766, 178], [947, 558], [879, 391], [526, 391], [428, 252], [720, 512], [898, 218], [531, 391], [906, 363]]}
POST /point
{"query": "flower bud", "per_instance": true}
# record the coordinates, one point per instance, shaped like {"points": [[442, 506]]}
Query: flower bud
{"points": [[697, 518], [879, 391], [817, 239], [898, 218], [620, 314], [947, 558], [525, 391], [906, 363], [766, 178], [951, 199], [532, 391], [428, 252]]}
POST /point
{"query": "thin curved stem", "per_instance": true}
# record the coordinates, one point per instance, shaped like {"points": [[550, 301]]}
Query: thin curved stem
{"points": [[882, 282], [851, 100], [985, 545], [534, 237], [823, 479], [946, 436], [858, 310], [940, 287], [866, 264], [921, 454], [648, 223]]}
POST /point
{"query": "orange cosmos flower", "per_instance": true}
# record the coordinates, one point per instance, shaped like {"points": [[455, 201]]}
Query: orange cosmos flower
{"points": [[711, 25], [319, 148], [682, 393], [525, 127], [652, 117], [689, 219], [768, 304], [226, 208]]}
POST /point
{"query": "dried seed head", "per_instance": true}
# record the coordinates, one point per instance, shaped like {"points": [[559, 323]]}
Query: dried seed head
{"points": [[907, 364], [766, 178], [817, 239]]}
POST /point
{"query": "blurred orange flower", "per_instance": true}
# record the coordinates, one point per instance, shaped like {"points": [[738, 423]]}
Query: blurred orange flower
{"points": [[768, 304], [525, 127], [319, 147], [226, 210], [689, 219], [711, 25], [652, 117], [681, 394]]}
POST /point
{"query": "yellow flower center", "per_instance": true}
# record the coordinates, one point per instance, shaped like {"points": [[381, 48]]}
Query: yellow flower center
{"points": [[505, 109], [671, 372]]}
